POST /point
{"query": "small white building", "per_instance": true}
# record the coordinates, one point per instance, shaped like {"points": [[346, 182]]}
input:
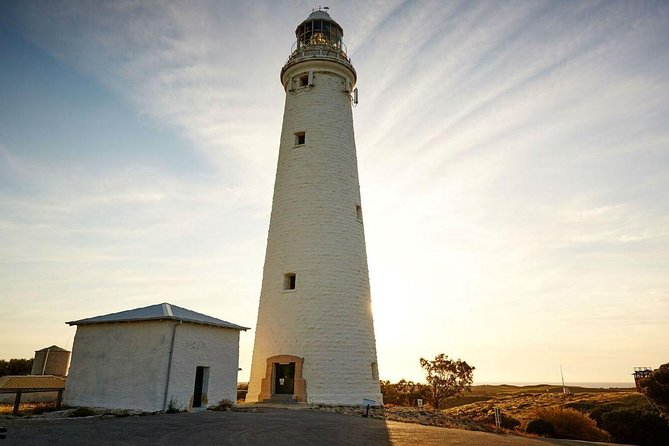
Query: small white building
{"points": [[153, 358]]}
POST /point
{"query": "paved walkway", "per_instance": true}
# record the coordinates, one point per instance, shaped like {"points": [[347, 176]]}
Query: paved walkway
{"points": [[273, 427]]}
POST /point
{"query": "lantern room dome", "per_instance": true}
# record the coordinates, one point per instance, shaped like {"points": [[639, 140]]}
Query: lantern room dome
{"points": [[320, 14]]}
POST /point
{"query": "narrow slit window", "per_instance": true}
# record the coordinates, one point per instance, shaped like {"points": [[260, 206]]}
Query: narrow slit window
{"points": [[289, 281], [300, 138], [358, 212]]}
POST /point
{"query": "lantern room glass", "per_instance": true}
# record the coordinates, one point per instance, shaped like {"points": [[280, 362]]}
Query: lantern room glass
{"points": [[319, 32]]}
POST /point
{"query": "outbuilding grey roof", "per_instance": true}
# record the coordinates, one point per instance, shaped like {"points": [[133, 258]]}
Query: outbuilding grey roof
{"points": [[158, 312]]}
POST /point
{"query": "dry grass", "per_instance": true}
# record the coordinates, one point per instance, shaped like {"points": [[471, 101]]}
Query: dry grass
{"points": [[523, 406], [27, 408]]}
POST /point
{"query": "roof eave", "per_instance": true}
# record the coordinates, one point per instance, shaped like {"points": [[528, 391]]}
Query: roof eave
{"points": [[162, 318]]}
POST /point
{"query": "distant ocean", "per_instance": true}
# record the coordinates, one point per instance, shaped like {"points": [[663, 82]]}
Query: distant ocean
{"points": [[594, 385]]}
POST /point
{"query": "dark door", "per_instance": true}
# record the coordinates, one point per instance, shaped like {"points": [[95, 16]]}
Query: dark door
{"points": [[284, 379], [197, 392]]}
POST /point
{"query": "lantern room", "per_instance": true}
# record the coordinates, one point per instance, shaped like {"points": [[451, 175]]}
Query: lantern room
{"points": [[319, 29]]}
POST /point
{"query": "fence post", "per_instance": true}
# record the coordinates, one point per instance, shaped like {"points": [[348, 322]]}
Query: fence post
{"points": [[498, 417], [17, 403]]}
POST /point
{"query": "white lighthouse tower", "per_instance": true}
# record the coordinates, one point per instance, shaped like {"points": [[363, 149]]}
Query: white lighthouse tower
{"points": [[315, 333]]}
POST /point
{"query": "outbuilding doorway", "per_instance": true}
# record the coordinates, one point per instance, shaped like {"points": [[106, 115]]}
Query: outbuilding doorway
{"points": [[201, 384], [284, 381]]}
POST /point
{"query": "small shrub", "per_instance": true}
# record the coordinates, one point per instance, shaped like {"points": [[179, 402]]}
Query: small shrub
{"points": [[82, 412], [222, 405], [42, 408], [508, 422], [173, 407], [572, 424], [540, 427], [242, 390]]}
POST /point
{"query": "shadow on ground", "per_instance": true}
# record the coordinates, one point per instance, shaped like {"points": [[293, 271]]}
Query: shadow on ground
{"points": [[273, 426]]}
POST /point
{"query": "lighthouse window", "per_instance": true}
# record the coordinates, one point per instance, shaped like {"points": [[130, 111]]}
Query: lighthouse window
{"points": [[304, 80], [300, 138], [358, 212], [289, 281]]}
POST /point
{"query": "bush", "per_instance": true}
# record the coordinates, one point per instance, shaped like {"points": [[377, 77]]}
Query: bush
{"points": [[222, 405], [540, 427], [82, 412], [629, 420], [656, 387], [572, 424], [636, 426], [404, 393], [173, 407], [42, 408], [508, 422], [242, 390]]}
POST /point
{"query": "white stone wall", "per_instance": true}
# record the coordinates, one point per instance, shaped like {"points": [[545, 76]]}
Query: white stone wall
{"points": [[315, 233], [124, 365], [201, 345]]}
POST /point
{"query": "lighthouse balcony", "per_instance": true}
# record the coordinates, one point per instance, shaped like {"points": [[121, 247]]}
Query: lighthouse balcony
{"points": [[335, 51]]}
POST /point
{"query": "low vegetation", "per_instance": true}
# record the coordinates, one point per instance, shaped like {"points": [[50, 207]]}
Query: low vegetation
{"points": [[404, 393], [174, 407], [626, 415], [222, 405], [28, 408], [242, 389], [591, 414], [567, 423], [656, 387], [82, 412]]}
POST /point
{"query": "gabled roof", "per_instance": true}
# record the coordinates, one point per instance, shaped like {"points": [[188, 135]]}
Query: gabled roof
{"points": [[53, 348], [158, 312]]}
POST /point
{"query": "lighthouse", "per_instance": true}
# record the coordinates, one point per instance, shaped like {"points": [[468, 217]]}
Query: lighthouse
{"points": [[314, 339]]}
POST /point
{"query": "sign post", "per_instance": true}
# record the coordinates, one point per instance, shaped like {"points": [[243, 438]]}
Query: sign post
{"points": [[366, 404]]}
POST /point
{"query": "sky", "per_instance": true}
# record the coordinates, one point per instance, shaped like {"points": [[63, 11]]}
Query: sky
{"points": [[513, 160]]}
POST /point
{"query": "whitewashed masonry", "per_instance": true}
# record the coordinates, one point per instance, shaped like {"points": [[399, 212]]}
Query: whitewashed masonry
{"points": [[315, 333]]}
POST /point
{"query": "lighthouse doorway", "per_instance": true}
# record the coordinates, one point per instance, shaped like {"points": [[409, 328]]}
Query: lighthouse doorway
{"points": [[284, 379]]}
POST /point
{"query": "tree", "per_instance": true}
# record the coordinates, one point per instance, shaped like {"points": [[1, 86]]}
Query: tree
{"points": [[656, 387], [446, 378], [16, 367]]}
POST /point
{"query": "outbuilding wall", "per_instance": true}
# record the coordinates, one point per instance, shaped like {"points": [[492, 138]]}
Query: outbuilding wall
{"points": [[205, 346], [125, 365], [119, 365]]}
